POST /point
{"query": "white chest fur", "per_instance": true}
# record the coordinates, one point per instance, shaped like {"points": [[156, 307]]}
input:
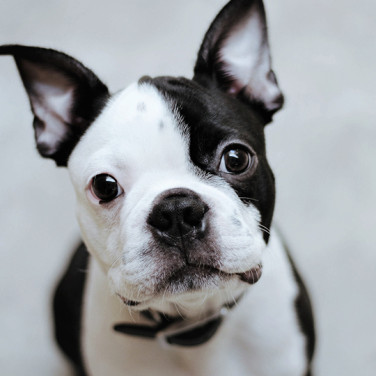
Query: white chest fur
{"points": [[260, 337]]}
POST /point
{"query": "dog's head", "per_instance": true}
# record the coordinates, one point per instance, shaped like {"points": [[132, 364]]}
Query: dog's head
{"points": [[174, 191]]}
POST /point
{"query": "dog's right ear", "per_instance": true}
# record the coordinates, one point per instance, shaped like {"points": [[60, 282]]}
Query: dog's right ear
{"points": [[65, 98]]}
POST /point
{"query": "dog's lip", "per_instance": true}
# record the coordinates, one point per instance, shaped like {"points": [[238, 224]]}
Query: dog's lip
{"points": [[128, 302], [251, 276]]}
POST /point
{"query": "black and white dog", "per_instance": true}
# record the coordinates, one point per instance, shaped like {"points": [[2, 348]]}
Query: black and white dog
{"points": [[175, 201]]}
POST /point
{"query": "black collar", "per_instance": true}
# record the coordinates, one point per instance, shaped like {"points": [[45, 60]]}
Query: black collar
{"points": [[176, 330]]}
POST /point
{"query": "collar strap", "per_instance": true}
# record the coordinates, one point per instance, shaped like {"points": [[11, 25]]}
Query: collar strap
{"points": [[177, 331]]}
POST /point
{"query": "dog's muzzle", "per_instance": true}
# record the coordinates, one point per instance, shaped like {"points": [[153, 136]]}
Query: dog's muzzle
{"points": [[179, 221]]}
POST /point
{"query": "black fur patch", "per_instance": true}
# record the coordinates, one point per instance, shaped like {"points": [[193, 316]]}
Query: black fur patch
{"points": [[304, 311], [67, 308]]}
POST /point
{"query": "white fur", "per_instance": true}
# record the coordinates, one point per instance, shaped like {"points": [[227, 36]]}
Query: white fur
{"points": [[260, 336]]}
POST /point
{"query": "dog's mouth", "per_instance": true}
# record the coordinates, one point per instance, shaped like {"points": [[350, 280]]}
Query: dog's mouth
{"points": [[190, 273], [128, 302], [194, 278]]}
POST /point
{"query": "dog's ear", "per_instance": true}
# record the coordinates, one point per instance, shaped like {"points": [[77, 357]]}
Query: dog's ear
{"points": [[234, 56], [65, 98]]}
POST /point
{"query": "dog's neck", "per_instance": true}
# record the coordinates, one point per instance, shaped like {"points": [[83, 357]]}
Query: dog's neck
{"points": [[177, 331], [195, 306], [191, 321]]}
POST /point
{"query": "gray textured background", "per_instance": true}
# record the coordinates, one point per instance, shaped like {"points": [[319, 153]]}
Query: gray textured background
{"points": [[321, 147]]}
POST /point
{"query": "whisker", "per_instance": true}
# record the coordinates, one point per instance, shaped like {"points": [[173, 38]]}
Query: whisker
{"points": [[264, 228], [116, 260], [177, 309], [164, 294], [230, 296], [246, 199]]}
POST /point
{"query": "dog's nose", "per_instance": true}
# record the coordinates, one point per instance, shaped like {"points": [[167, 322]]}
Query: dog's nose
{"points": [[178, 213]]}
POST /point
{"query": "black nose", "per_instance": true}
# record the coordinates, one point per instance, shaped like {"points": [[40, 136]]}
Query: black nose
{"points": [[178, 213]]}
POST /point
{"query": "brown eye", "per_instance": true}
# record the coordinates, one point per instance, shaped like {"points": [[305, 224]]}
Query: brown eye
{"points": [[105, 187], [235, 160]]}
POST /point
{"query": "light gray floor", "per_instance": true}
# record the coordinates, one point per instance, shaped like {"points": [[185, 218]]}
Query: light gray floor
{"points": [[321, 146]]}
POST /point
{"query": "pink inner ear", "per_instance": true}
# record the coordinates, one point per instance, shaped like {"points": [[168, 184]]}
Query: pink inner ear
{"points": [[246, 59], [51, 97], [53, 100], [49, 89], [52, 107]]}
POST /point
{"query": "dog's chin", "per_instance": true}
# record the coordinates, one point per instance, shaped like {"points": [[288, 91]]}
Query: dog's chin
{"points": [[192, 278], [192, 281]]}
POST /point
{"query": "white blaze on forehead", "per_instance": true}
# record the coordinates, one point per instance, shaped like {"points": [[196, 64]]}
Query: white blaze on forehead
{"points": [[136, 133]]}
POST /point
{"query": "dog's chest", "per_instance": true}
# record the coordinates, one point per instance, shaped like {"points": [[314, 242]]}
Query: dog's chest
{"points": [[256, 331]]}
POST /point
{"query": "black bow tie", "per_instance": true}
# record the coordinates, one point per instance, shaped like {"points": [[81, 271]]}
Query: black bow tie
{"points": [[176, 330]]}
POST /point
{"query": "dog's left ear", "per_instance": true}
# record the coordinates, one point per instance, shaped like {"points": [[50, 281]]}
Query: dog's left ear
{"points": [[234, 56], [65, 97]]}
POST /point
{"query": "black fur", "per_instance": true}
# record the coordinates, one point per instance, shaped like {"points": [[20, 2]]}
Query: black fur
{"points": [[305, 313], [67, 308]]}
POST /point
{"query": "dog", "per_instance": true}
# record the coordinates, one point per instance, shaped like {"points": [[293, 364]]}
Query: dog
{"points": [[180, 271]]}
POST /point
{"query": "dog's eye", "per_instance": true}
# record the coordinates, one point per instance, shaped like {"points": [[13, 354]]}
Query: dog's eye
{"points": [[236, 160], [105, 188]]}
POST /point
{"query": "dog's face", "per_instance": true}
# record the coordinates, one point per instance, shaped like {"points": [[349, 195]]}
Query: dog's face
{"points": [[174, 191], [171, 191]]}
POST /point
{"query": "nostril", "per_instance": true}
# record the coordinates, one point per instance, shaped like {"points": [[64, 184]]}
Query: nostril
{"points": [[194, 214], [164, 221], [161, 218]]}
